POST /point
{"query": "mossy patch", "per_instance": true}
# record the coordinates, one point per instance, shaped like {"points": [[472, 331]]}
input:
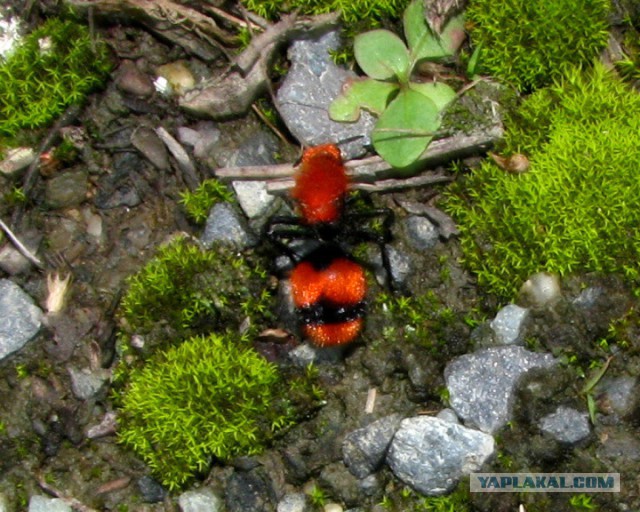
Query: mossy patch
{"points": [[209, 398], [529, 43], [55, 66], [186, 290], [575, 209], [198, 203]]}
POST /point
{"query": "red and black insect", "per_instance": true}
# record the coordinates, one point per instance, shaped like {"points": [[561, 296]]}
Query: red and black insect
{"points": [[328, 285]]}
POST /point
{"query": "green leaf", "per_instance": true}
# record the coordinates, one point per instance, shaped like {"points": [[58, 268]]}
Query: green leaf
{"points": [[405, 128], [441, 94], [433, 46], [415, 24], [366, 93], [382, 55], [472, 65]]}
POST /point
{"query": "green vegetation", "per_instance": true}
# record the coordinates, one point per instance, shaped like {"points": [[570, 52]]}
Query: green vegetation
{"points": [[55, 66], [582, 502], [209, 397], [575, 209], [189, 290], [529, 43], [190, 389], [409, 113], [407, 500], [352, 12], [198, 203]]}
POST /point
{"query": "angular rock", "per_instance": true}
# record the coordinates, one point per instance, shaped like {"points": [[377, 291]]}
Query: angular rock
{"points": [[508, 324], [430, 454], [566, 425], [225, 225], [67, 189], [131, 80], [12, 261], [312, 83], [45, 504], [481, 384], [364, 449], [539, 290], [421, 232], [294, 502], [618, 395], [21, 318], [253, 197], [147, 141], [151, 490], [200, 500], [16, 160], [86, 384], [248, 491]]}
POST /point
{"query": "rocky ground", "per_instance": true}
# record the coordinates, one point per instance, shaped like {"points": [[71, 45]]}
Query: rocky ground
{"points": [[495, 387]]}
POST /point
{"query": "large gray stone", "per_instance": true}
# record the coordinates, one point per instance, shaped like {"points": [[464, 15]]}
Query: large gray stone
{"points": [[312, 83], [21, 318], [481, 385], [430, 454]]}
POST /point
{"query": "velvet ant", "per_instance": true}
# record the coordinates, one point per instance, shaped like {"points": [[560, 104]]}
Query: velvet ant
{"points": [[328, 285]]}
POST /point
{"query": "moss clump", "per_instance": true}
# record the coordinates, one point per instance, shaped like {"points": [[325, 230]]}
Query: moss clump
{"points": [[575, 210], [209, 397], [186, 290], [352, 12], [529, 43], [198, 203], [55, 66]]}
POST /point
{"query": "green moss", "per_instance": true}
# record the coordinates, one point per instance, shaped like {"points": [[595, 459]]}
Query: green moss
{"points": [[210, 397], [198, 203], [575, 209], [529, 43], [37, 84], [186, 290], [352, 12]]}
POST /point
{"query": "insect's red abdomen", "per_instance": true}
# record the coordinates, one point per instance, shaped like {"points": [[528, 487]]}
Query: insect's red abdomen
{"points": [[330, 299], [320, 184]]}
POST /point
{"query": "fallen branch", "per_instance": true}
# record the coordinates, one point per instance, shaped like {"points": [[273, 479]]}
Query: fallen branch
{"points": [[197, 33], [22, 249], [365, 173], [232, 93]]}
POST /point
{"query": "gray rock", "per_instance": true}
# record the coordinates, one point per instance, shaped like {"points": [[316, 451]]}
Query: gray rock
{"points": [[202, 138], [200, 500], [12, 261], [16, 160], [400, 265], [67, 189], [151, 490], [421, 232], [448, 415], [225, 225], [294, 502], [248, 491], [305, 354], [21, 318], [430, 454], [46, 504], [508, 324], [258, 147], [147, 141], [86, 384], [312, 83], [566, 425], [540, 290], [481, 385], [364, 449], [253, 197], [617, 394], [131, 80]]}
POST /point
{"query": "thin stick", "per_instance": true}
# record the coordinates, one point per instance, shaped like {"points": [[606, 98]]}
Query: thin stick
{"points": [[72, 502], [20, 246]]}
